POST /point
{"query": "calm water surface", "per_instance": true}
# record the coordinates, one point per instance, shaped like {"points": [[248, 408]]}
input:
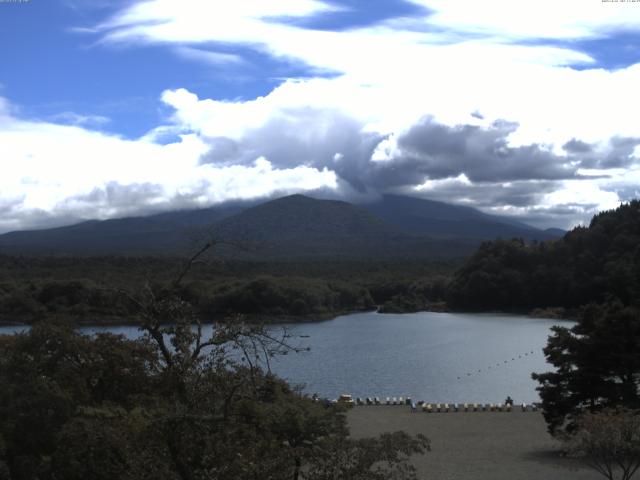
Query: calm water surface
{"points": [[436, 357]]}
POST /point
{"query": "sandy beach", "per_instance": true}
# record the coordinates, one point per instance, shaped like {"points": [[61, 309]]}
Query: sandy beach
{"points": [[475, 445]]}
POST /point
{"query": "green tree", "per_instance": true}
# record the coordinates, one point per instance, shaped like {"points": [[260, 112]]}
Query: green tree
{"points": [[597, 366], [175, 404], [586, 265]]}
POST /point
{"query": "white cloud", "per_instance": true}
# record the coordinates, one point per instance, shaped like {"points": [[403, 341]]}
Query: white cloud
{"points": [[466, 65], [194, 21], [59, 169], [305, 122], [517, 19], [73, 118], [574, 192], [210, 57], [391, 77]]}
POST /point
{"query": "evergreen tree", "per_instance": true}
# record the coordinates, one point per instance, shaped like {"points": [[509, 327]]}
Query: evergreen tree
{"points": [[597, 366]]}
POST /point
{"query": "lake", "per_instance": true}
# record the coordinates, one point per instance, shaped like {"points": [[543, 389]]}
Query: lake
{"points": [[436, 357]]}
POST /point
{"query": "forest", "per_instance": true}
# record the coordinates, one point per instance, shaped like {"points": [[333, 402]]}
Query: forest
{"points": [[94, 289], [593, 264]]}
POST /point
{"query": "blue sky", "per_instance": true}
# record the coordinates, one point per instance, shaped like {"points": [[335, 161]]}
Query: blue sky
{"points": [[49, 66], [112, 108]]}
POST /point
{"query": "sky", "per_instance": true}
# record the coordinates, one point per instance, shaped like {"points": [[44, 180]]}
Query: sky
{"points": [[113, 108]]}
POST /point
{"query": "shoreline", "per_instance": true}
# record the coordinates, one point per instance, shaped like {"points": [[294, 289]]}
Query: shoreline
{"points": [[253, 319], [270, 319]]}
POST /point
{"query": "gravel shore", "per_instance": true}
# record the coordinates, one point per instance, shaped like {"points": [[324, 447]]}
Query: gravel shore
{"points": [[475, 446]]}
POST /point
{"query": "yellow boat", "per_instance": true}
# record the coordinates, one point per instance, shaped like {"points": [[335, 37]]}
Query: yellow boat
{"points": [[346, 400]]}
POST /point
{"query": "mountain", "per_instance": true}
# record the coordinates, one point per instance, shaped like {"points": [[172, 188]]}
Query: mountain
{"points": [[292, 227], [172, 232], [442, 220], [557, 232], [299, 227]]}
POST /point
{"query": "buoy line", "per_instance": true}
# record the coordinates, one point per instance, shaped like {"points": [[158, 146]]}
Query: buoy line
{"points": [[497, 365]]}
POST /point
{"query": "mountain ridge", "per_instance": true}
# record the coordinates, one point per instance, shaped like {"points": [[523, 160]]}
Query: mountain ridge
{"points": [[443, 220], [294, 226]]}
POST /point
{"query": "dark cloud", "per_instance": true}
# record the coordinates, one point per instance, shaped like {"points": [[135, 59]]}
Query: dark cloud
{"points": [[482, 154], [465, 164], [117, 195], [224, 151], [428, 150], [310, 137], [625, 191], [488, 195], [577, 146], [618, 153]]}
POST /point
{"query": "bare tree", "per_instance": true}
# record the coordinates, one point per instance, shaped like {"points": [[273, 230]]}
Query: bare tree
{"points": [[173, 326], [609, 442]]}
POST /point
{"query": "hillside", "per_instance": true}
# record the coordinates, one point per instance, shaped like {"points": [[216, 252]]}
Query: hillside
{"points": [[160, 234], [293, 227], [589, 264], [296, 227], [442, 220]]}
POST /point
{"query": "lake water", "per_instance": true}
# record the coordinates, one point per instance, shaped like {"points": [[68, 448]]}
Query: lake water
{"points": [[436, 357]]}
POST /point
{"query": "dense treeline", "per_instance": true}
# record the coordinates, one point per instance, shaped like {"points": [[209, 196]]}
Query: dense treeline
{"points": [[93, 289], [404, 296], [593, 264]]}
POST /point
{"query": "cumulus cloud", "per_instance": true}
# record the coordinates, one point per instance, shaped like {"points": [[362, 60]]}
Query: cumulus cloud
{"points": [[474, 103], [619, 152], [481, 154], [325, 139], [393, 75], [476, 163], [55, 174]]}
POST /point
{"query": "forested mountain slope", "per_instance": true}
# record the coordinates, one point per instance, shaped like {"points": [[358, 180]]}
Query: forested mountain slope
{"points": [[294, 227], [443, 220], [589, 264]]}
